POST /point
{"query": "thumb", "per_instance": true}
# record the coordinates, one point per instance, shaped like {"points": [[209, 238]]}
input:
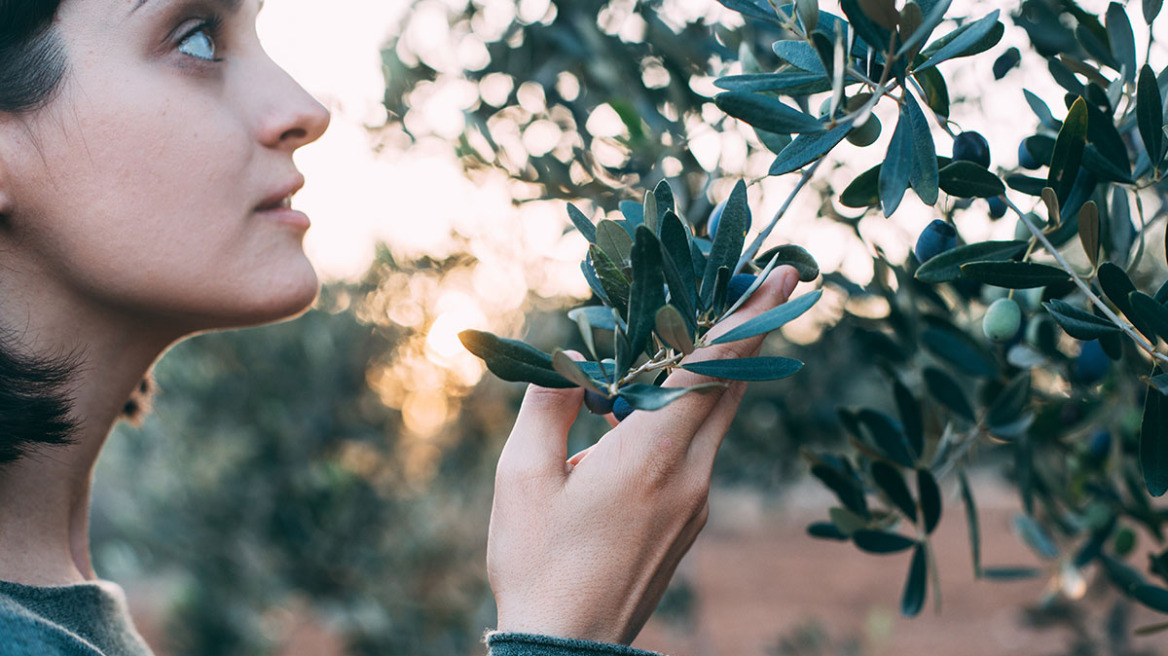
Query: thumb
{"points": [[539, 440]]}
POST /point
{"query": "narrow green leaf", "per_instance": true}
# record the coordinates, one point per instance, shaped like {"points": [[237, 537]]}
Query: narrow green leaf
{"points": [[864, 190], [876, 37], [649, 211], [582, 223], [1153, 597], [678, 265], [1150, 115], [1154, 442], [909, 410], [1068, 149], [615, 242], [761, 368], [791, 255], [612, 279], [891, 482], [916, 587], [1154, 315], [771, 319], [946, 267], [971, 521], [721, 284], [570, 370], [936, 91], [597, 316], [960, 351], [1089, 231], [948, 393], [788, 83], [882, 542], [969, 39], [826, 531], [1151, 629], [634, 214], [1079, 323], [757, 9], [1118, 287], [798, 53], [929, 23], [1014, 275], [727, 246], [966, 179], [1010, 403], [845, 487], [1042, 111], [923, 175], [930, 494], [1121, 40], [672, 328], [887, 436], [846, 521], [663, 199], [808, 11], [1151, 10], [807, 148], [1036, 537], [1010, 573], [897, 167], [513, 360], [1029, 185], [766, 113], [647, 293], [651, 397]]}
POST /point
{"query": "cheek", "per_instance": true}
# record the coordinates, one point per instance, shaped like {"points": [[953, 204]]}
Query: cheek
{"points": [[150, 216]]}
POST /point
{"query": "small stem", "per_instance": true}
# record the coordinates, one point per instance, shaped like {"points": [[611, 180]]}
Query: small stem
{"points": [[655, 363], [1084, 287]]}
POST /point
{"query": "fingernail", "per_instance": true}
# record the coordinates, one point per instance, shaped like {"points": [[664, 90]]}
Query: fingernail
{"points": [[789, 281]]}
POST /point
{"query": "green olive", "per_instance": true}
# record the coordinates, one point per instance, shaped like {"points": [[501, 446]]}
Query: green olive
{"points": [[866, 134], [1002, 320]]}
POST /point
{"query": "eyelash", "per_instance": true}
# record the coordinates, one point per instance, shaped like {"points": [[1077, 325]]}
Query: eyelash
{"points": [[212, 26]]}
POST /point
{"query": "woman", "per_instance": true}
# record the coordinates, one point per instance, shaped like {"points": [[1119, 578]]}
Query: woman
{"points": [[146, 178]]}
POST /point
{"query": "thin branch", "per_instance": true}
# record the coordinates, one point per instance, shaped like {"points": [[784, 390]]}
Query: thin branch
{"points": [[755, 245], [1086, 289]]}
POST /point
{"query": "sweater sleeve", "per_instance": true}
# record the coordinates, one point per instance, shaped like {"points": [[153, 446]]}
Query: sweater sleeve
{"points": [[526, 644]]}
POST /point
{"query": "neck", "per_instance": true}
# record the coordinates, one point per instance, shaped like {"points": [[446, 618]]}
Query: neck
{"points": [[44, 517]]}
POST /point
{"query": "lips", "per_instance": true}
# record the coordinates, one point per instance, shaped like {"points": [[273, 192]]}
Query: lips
{"points": [[281, 197]]}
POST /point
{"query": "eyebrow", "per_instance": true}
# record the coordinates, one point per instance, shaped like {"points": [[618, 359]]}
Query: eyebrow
{"points": [[228, 5]]}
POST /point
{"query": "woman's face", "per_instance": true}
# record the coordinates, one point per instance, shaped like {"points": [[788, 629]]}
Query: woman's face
{"points": [[155, 185]]}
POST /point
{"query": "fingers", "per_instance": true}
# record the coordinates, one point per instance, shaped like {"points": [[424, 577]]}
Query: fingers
{"points": [[539, 441], [669, 432]]}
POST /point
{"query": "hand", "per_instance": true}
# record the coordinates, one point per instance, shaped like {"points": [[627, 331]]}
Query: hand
{"points": [[585, 549]]}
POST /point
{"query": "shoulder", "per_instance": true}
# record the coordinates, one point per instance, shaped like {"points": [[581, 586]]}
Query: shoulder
{"points": [[27, 634]]}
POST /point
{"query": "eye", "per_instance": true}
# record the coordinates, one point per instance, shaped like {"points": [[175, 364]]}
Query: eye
{"points": [[200, 41]]}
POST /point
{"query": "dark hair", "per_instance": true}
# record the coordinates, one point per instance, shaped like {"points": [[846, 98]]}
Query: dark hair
{"points": [[32, 61], [35, 404]]}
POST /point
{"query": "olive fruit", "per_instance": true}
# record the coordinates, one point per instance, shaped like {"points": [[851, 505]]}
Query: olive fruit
{"points": [[737, 286], [1092, 364], [621, 409], [937, 237], [972, 147], [598, 404], [1099, 446], [1025, 159], [866, 134], [1002, 320], [997, 207]]}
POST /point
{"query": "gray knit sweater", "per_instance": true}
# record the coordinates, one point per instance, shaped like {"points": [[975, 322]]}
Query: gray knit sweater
{"points": [[91, 619]]}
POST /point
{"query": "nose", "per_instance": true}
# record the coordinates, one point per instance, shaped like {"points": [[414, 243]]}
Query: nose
{"points": [[291, 117]]}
